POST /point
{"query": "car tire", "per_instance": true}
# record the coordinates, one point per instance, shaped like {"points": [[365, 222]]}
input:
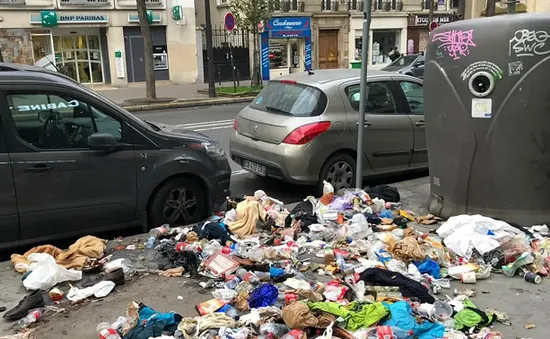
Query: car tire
{"points": [[337, 166], [180, 201]]}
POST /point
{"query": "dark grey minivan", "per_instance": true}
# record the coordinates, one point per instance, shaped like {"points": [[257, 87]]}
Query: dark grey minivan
{"points": [[73, 162]]}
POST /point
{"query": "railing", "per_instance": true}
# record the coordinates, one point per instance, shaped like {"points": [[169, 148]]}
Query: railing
{"points": [[84, 2], [12, 2], [426, 4], [377, 6], [288, 6], [328, 5]]}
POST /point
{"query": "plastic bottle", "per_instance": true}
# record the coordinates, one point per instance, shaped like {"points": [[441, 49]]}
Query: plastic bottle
{"points": [[105, 331], [389, 332], [294, 334], [159, 231], [250, 277], [150, 242], [187, 247], [340, 262], [31, 317], [233, 283]]}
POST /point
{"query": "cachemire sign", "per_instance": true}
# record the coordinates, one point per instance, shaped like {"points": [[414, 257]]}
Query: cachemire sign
{"points": [[52, 18]]}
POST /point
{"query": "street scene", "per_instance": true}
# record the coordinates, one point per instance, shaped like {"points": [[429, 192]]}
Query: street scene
{"points": [[274, 169]]}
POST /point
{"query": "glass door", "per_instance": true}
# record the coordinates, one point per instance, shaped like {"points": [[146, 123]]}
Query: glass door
{"points": [[96, 67], [43, 50], [80, 56]]}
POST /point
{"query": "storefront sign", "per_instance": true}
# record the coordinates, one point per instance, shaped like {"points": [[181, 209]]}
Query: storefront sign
{"points": [[423, 20], [119, 64], [290, 23], [133, 18], [52, 18]]}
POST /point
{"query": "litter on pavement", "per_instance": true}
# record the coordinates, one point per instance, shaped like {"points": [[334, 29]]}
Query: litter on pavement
{"points": [[347, 265]]}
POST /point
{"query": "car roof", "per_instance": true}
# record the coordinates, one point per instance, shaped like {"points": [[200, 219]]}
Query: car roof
{"points": [[13, 72]]}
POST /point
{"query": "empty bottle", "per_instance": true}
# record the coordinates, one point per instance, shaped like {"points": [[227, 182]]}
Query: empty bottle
{"points": [[389, 332], [157, 232], [31, 317], [187, 247], [105, 331], [150, 242]]}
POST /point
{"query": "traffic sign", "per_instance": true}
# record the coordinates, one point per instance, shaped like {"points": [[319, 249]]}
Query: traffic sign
{"points": [[229, 21], [433, 25]]}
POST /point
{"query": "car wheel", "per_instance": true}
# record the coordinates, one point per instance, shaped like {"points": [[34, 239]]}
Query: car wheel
{"points": [[339, 171], [180, 201]]}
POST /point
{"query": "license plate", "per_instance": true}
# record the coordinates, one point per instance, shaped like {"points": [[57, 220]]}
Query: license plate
{"points": [[254, 168]]}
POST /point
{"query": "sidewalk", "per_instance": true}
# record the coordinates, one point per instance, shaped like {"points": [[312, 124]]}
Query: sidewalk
{"points": [[185, 95]]}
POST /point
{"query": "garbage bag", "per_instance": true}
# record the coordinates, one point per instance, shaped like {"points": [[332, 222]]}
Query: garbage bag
{"points": [[46, 274], [262, 296], [359, 227], [430, 267]]}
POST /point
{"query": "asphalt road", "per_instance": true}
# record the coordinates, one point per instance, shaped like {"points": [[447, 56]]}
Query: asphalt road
{"points": [[217, 122]]}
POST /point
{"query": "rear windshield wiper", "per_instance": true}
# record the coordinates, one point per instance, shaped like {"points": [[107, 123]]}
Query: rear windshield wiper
{"points": [[278, 110]]}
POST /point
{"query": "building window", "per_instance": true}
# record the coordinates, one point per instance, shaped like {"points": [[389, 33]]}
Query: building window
{"points": [[79, 57]]}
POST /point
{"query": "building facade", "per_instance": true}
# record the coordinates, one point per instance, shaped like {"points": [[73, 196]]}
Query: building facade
{"points": [[99, 41]]}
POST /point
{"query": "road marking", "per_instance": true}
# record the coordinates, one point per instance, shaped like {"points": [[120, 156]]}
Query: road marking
{"points": [[208, 125]]}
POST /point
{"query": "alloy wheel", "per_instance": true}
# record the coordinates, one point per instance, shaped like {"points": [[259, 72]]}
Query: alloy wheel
{"points": [[180, 205], [340, 175]]}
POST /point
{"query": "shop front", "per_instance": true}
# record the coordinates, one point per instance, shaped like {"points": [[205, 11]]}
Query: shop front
{"points": [[418, 30], [386, 33], [285, 46]]}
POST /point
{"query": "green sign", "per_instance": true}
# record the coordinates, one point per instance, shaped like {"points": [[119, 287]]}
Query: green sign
{"points": [[48, 18], [118, 54], [177, 12], [149, 16]]}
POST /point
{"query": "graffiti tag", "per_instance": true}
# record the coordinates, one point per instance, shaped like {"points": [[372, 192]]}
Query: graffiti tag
{"points": [[456, 43], [515, 68], [529, 43]]}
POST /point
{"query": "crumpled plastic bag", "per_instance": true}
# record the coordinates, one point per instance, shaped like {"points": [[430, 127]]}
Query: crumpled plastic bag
{"points": [[46, 273], [298, 315], [262, 296], [99, 290], [408, 249], [359, 227]]}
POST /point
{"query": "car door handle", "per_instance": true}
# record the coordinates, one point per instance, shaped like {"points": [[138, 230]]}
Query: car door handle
{"points": [[420, 123], [39, 168], [367, 124]]}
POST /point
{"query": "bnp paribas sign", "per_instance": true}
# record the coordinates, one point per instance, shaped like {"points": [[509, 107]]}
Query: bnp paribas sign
{"points": [[52, 18]]}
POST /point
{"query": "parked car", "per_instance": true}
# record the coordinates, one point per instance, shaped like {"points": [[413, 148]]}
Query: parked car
{"points": [[302, 128], [411, 64], [73, 162]]}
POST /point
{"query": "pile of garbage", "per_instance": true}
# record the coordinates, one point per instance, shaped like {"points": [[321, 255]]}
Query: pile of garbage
{"points": [[347, 265]]}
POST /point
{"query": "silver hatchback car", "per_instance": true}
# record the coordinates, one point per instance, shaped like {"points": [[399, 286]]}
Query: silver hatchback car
{"points": [[302, 128]]}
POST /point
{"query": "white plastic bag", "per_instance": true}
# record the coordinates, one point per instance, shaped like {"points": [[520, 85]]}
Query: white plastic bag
{"points": [[327, 187], [359, 227], [99, 290], [46, 274], [328, 332]]}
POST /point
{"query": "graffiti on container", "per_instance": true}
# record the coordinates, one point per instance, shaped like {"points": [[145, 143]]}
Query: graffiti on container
{"points": [[456, 43], [529, 43]]}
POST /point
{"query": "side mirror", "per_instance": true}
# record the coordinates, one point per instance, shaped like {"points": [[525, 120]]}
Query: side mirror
{"points": [[102, 142]]}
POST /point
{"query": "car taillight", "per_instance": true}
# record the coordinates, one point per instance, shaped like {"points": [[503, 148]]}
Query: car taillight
{"points": [[235, 124], [304, 134]]}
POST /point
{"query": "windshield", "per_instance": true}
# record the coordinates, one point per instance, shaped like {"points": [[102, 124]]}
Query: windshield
{"points": [[405, 60], [290, 99]]}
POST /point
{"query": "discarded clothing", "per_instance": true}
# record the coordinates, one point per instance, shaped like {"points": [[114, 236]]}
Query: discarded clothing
{"points": [[192, 327], [263, 296], [408, 287], [400, 316], [471, 316], [249, 213], [76, 257], [387, 193], [153, 323], [212, 231], [173, 259], [356, 315]]}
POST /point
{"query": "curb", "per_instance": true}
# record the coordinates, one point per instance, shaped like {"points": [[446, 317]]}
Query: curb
{"points": [[188, 104]]}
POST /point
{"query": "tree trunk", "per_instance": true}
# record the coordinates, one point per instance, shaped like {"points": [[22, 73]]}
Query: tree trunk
{"points": [[256, 76], [490, 10], [1, 56], [150, 89]]}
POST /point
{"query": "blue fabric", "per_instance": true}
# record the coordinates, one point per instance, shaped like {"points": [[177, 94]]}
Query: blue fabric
{"points": [[145, 313], [276, 272], [430, 267], [400, 316], [385, 214], [263, 296]]}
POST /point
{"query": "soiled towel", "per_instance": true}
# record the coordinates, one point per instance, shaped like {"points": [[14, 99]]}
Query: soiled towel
{"points": [[85, 248], [249, 212]]}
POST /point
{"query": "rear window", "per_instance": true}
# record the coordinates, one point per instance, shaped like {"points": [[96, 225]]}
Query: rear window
{"points": [[290, 99]]}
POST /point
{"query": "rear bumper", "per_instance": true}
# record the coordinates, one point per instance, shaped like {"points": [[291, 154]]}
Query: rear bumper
{"points": [[291, 163]]}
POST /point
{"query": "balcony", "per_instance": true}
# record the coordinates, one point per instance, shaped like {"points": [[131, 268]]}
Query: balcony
{"points": [[427, 3], [328, 5], [377, 6], [150, 4], [288, 6], [12, 2], [90, 3]]}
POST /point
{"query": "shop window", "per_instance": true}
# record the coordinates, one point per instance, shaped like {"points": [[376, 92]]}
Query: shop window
{"points": [[278, 55], [415, 96], [49, 121], [79, 57], [380, 99]]}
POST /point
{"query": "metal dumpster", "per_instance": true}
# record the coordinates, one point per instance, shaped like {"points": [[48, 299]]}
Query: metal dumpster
{"points": [[487, 111]]}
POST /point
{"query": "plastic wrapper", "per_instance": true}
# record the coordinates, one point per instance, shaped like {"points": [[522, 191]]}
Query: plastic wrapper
{"points": [[277, 330], [515, 246], [335, 291], [46, 274], [359, 227], [264, 295]]}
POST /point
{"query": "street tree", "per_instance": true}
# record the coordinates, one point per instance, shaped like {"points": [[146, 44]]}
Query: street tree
{"points": [[150, 87], [248, 13], [1, 56]]}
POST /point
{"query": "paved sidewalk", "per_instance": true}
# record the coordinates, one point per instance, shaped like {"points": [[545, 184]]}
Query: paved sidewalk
{"points": [[184, 92]]}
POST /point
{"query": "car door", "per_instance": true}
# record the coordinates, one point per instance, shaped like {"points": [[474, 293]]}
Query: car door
{"points": [[388, 134], [9, 217], [412, 96], [62, 186]]}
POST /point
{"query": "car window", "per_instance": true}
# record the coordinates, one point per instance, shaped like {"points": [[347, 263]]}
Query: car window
{"points": [[290, 99], [415, 96], [51, 121], [404, 60], [380, 99]]}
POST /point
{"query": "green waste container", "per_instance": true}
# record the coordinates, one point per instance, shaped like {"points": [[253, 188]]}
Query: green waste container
{"points": [[356, 64]]}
